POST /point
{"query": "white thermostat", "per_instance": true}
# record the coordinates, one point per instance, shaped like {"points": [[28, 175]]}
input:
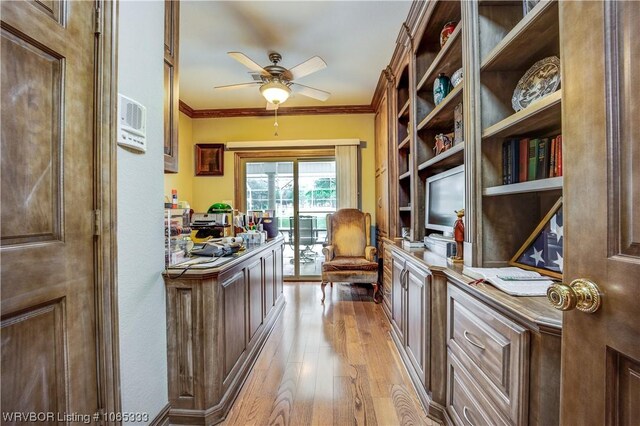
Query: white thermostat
{"points": [[132, 124]]}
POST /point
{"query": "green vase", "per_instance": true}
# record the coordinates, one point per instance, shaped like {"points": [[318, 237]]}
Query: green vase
{"points": [[441, 88]]}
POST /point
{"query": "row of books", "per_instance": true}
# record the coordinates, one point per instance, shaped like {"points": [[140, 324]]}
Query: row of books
{"points": [[531, 159]]}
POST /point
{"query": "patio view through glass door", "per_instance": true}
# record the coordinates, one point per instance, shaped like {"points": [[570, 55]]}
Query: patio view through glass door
{"points": [[301, 192]]}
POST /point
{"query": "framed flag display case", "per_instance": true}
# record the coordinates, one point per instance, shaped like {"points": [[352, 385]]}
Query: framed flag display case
{"points": [[542, 251]]}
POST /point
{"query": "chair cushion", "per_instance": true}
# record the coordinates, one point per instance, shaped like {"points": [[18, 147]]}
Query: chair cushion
{"points": [[348, 263]]}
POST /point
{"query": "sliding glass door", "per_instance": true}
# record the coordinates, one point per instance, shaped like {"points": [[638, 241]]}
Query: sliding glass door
{"points": [[301, 192]]}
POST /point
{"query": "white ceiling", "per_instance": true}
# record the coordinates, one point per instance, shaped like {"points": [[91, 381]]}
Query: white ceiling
{"points": [[355, 38]]}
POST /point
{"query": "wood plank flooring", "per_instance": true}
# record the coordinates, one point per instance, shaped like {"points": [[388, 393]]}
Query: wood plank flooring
{"points": [[328, 365]]}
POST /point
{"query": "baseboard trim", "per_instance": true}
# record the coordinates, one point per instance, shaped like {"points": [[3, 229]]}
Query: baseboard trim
{"points": [[162, 418]]}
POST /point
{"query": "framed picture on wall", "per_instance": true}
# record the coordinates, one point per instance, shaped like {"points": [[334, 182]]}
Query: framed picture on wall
{"points": [[209, 159], [542, 252]]}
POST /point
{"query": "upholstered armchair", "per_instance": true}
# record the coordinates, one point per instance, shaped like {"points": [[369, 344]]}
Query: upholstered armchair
{"points": [[348, 257]]}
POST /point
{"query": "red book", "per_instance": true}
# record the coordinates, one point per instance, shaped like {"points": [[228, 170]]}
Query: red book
{"points": [[552, 162], [523, 161], [559, 149]]}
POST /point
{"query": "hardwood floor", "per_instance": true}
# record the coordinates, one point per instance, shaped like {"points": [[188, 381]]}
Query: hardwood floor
{"points": [[328, 365]]}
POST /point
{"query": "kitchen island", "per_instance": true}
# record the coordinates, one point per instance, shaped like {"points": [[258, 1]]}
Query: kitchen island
{"points": [[218, 319]]}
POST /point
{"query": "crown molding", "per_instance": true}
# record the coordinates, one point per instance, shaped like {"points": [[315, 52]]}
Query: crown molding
{"points": [[186, 109], [261, 112]]}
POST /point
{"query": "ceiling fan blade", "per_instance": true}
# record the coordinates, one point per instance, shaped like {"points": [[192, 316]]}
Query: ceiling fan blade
{"points": [[310, 92], [235, 86], [307, 67], [248, 62], [271, 107]]}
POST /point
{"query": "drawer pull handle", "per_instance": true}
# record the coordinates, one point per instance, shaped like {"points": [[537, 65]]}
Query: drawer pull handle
{"points": [[477, 345], [466, 417]]}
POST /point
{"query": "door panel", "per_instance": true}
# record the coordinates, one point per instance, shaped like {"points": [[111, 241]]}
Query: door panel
{"points": [[254, 276], [397, 294], [235, 303], [49, 359], [269, 283], [601, 133], [417, 319]]}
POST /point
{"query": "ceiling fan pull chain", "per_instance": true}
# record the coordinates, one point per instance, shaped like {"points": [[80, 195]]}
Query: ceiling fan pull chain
{"points": [[276, 123]]}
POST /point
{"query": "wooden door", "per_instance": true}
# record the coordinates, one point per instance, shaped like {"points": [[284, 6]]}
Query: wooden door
{"points": [[417, 318], [600, 108], [49, 359], [397, 294]]}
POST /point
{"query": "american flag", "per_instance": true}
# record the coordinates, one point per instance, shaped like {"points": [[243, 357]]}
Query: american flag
{"points": [[545, 252]]}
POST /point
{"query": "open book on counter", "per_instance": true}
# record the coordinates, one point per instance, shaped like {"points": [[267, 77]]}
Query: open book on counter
{"points": [[512, 280]]}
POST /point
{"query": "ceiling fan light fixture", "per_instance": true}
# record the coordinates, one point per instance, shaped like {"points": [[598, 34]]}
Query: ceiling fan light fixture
{"points": [[275, 92]]}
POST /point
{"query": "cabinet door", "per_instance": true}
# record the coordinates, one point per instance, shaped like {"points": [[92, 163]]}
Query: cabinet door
{"points": [[235, 303], [269, 282], [397, 294], [254, 275], [278, 272], [417, 319], [382, 204]]}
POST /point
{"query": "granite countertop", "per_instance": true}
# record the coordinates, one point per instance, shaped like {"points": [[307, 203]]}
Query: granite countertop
{"points": [[200, 266]]}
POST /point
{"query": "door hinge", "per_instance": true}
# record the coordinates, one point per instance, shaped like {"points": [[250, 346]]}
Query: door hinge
{"points": [[97, 222], [98, 18]]}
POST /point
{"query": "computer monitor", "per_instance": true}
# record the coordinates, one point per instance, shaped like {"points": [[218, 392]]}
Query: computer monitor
{"points": [[444, 195]]}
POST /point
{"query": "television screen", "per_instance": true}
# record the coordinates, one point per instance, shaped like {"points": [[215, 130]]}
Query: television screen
{"points": [[445, 195]]}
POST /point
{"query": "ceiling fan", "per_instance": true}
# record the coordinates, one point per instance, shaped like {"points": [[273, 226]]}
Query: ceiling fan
{"points": [[276, 81]]}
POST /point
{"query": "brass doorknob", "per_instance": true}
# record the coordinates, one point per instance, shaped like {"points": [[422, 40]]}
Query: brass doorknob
{"points": [[581, 294]]}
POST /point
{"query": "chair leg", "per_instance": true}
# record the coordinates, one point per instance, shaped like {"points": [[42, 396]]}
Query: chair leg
{"points": [[331, 284], [375, 291], [322, 286]]}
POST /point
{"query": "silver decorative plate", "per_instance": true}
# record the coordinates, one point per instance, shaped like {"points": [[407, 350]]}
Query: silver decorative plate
{"points": [[540, 80]]}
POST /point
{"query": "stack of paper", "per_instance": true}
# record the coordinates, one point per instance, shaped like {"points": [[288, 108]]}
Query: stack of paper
{"points": [[512, 280]]}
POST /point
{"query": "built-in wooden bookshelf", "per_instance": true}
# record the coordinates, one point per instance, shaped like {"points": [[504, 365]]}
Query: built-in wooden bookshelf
{"points": [[510, 44]]}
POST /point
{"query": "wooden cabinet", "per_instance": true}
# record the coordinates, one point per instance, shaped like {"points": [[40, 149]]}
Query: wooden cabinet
{"points": [[475, 354], [418, 323], [503, 357], [493, 350], [217, 322]]}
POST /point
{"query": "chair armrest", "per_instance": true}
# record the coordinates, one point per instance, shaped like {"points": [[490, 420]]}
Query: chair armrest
{"points": [[328, 253], [370, 253]]}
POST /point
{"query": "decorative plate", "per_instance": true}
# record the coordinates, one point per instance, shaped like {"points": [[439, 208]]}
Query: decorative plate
{"points": [[540, 80]]}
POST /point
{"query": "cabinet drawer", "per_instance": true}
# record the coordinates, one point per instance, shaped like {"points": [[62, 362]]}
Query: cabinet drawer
{"points": [[493, 349], [465, 402]]}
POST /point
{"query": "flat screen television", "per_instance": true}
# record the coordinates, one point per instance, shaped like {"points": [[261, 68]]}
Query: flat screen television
{"points": [[444, 195]]}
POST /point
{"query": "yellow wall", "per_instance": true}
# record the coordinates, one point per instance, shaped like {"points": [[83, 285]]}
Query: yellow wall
{"points": [[207, 190], [183, 180]]}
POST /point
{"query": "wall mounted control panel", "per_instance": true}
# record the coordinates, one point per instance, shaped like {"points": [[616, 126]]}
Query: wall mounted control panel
{"points": [[132, 124]]}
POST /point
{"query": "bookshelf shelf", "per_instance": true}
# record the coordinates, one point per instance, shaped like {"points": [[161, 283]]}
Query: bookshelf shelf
{"points": [[405, 143], [543, 114], [404, 111], [448, 60], [451, 157], [533, 37], [405, 175], [443, 113], [549, 184]]}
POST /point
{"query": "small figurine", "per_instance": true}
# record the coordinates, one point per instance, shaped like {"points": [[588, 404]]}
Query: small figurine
{"points": [[458, 236]]}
